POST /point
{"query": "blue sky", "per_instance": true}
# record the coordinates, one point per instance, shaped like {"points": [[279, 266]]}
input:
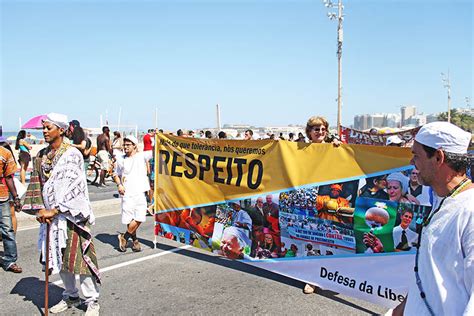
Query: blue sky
{"points": [[265, 62]]}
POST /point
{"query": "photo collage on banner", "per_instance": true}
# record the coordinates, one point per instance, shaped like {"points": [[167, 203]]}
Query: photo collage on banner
{"points": [[371, 215]]}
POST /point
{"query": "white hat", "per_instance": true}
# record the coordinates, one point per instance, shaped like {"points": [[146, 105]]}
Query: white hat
{"points": [[444, 135], [131, 138], [394, 139], [60, 120], [398, 176]]}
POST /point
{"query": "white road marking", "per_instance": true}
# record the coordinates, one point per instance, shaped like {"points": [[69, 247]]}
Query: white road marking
{"points": [[138, 260]]}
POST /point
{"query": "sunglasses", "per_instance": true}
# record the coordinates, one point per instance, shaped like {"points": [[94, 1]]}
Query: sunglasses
{"points": [[318, 129]]}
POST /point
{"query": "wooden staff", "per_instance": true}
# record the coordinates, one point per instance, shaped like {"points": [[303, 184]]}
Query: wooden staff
{"points": [[46, 273]]}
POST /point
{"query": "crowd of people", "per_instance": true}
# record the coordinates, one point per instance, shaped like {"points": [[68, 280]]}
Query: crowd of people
{"points": [[63, 208]]}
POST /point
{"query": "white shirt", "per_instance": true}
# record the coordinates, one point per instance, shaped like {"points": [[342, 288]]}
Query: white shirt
{"points": [[412, 237], [446, 262], [133, 172]]}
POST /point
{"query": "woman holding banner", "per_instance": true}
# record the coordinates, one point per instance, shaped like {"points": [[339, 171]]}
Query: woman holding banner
{"points": [[317, 130]]}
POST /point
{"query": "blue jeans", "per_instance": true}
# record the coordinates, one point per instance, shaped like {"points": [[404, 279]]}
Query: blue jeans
{"points": [[8, 235]]}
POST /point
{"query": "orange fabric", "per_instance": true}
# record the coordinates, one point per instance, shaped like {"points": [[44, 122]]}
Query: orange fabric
{"points": [[321, 202], [7, 168]]}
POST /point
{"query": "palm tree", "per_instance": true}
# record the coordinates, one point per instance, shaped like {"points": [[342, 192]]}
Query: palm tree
{"points": [[463, 120]]}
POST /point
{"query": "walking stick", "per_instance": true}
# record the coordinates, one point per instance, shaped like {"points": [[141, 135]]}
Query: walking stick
{"points": [[46, 273]]}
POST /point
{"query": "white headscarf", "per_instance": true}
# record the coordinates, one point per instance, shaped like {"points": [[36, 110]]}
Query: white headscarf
{"points": [[398, 176], [60, 120], [239, 233]]}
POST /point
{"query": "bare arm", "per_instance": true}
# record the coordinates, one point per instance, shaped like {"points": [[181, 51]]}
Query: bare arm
{"points": [[24, 143], [11, 187], [80, 146]]}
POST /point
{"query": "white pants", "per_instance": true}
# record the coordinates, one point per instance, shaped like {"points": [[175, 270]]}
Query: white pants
{"points": [[89, 287]]}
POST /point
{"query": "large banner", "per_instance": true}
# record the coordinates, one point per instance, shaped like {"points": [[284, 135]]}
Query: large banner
{"points": [[337, 217], [353, 136]]}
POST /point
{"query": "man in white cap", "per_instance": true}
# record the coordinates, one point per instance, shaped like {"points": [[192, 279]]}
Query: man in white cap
{"points": [[130, 175], [394, 140], [444, 272], [60, 183]]}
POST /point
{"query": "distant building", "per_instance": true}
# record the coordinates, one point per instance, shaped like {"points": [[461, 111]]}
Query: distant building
{"points": [[416, 120], [392, 120], [367, 121], [237, 130], [361, 122], [406, 113], [376, 120], [467, 111], [432, 117]]}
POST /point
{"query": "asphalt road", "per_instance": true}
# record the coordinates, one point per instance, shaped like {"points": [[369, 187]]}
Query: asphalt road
{"points": [[103, 193], [171, 279]]}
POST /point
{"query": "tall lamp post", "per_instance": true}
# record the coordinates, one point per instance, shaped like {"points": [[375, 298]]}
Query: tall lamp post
{"points": [[339, 16], [447, 85]]}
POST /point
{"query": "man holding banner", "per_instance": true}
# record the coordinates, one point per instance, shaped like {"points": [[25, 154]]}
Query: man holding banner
{"points": [[444, 268]]}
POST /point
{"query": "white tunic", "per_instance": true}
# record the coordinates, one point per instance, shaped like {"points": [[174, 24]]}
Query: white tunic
{"points": [[446, 262]]}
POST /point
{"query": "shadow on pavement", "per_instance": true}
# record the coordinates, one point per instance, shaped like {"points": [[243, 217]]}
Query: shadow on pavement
{"points": [[236, 265], [108, 239], [32, 290]]}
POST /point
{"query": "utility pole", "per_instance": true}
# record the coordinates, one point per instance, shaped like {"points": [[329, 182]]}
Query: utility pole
{"points": [[218, 112], [447, 85], [340, 38]]}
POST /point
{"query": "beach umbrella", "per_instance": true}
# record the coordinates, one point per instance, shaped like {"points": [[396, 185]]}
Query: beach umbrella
{"points": [[35, 122]]}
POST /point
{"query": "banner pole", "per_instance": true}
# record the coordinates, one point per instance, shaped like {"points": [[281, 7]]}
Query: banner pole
{"points": [[155, 184], [46, 273]]}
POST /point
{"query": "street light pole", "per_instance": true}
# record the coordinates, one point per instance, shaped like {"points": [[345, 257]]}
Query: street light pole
{"points": [[447, 85], [340, 37]]}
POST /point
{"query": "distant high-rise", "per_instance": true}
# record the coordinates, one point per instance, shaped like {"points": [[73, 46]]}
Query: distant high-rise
{"points": [[376, 120], [407, 112], [366, 121], [361, 122]]}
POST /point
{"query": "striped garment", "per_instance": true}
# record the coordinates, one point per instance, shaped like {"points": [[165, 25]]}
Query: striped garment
{"points": [[79, 256]]}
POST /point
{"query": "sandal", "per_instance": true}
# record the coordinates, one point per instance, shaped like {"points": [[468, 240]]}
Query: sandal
{"points": [[14, 268]]}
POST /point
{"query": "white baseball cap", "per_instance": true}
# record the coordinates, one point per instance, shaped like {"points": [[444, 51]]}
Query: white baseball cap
{"points": [[394, 139], [445, 136], [131, 138]]}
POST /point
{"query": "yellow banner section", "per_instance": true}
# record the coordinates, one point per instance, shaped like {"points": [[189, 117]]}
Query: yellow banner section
{"points": [[191, 172]]}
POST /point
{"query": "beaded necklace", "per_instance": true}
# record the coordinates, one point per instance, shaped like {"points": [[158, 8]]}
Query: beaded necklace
{"points": [[50, 159]]}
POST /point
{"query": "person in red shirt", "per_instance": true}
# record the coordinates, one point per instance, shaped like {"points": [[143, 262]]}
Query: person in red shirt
{"points": [[148, 140]]}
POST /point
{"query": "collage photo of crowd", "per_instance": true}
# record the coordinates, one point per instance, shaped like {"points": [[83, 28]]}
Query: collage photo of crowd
{"points": [[377, 214]]}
